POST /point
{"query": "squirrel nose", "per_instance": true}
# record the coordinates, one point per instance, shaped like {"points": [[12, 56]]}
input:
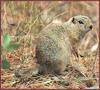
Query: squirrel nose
{"points": [[90, 26]]}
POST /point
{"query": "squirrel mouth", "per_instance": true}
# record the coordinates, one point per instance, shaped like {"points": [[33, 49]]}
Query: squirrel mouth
{"points": [[83, 34], [88, 30]]}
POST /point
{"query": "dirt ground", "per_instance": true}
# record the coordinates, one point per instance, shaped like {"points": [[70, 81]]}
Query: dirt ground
{"points": [[23, 21]]}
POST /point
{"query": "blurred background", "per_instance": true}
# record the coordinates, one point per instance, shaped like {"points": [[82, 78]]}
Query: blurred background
{"points": [[37, 14], [23, 20]]}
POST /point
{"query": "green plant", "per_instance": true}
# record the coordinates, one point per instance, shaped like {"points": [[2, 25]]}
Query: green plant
{"points": [[7, 45]]}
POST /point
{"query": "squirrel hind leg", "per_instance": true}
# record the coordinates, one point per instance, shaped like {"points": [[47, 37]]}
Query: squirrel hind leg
{"points": [[25, 73]]}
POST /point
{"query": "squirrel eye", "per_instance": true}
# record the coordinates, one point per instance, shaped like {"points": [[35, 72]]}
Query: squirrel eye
{"points": [[80, 22]]}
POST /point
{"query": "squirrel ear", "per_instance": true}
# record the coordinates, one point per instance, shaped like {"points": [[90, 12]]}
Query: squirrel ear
{"points": [[73, 20]]}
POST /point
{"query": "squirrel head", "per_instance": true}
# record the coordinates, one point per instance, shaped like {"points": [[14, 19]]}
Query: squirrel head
{"points": [[79, 25], [83, 22]]}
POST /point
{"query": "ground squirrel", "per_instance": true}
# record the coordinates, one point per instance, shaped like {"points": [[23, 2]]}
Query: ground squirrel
{"points": [[55, 43]]}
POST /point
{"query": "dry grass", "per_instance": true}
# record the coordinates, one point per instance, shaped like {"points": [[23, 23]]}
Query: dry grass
{"points": [[24, 20]]}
